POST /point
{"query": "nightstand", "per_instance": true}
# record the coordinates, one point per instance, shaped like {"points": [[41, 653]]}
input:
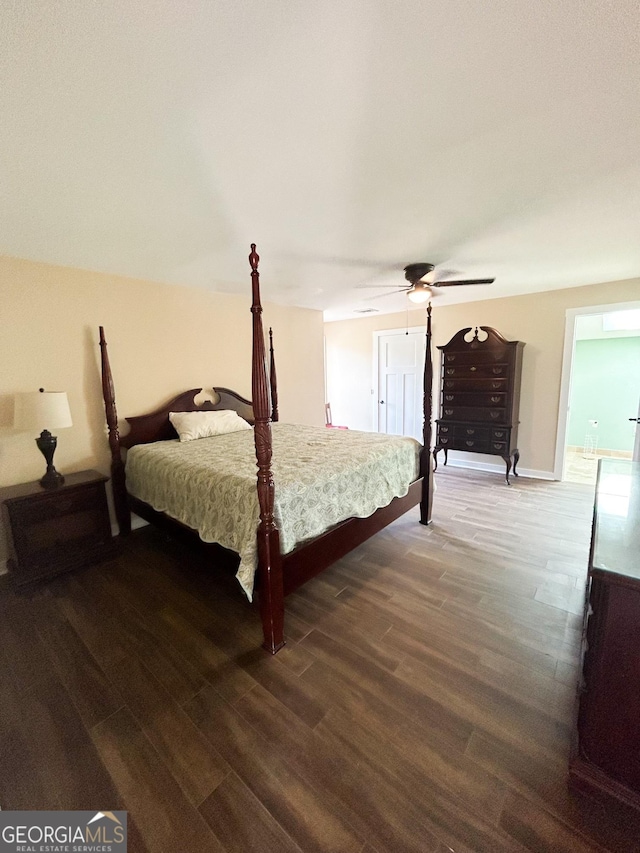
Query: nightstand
{"points": [[54, 531]]}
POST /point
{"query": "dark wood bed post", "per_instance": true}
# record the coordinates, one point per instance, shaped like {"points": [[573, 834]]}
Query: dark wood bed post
{"points": [[426, 466], [120, 500], [270, 581], [273, 379]]}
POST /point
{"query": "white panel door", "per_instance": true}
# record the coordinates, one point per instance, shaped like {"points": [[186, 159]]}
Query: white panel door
{"points": [[400, 379]]}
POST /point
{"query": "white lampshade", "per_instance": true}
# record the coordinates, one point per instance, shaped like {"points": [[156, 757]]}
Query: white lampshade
{"points": [[35, 411], [419, 293]]}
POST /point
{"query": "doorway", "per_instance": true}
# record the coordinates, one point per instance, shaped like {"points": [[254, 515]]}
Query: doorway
{"points": [[398, 375], [600, 394]]}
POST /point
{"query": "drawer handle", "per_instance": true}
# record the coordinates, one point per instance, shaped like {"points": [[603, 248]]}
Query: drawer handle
{"points": [[471, 432], [473, 369], [444, 429], [448, 411], [444, 441], [495, 399], [498, 445], [448, 385], [494, 415], [451, 358], [495, 385], [450, 371], [448, 397], [497, 370], [498, 433], [469, 443], [64, 505]]}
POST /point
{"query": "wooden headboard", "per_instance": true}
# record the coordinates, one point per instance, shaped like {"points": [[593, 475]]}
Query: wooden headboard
{"points": [[156, 426]]}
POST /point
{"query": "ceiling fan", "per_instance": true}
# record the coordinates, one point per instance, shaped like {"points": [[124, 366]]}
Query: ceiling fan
{"points": [[422, 278]]}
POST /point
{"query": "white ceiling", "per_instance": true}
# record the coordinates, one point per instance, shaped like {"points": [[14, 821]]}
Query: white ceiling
{"points": [[347, 138], [590, 327]]}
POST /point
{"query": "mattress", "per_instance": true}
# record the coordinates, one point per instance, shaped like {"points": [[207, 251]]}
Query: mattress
{"points": [[322, 476]]}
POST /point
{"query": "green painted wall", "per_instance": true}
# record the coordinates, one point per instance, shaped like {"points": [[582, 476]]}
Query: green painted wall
{"points": [[605, 386]]}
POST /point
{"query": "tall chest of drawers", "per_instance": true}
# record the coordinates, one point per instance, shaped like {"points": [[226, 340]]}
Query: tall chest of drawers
{"points": [[480, 396]]}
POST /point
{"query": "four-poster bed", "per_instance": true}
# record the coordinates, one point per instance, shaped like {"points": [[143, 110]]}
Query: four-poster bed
{"points": [[277, 573]]}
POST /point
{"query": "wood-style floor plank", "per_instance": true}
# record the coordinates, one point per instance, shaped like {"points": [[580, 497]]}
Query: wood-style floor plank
{"points": [[309, 815], [20, 781], [167, 820], [361, 799], [424, 700], [62, 752], [25, 654], [85, 681], [539, 830], [458, 800], [138, 633], [241, 821], [194, 763]]}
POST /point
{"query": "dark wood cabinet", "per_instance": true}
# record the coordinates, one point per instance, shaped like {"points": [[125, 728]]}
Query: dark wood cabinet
{"points": [[606, 751], [53, 531], [480, 396]]}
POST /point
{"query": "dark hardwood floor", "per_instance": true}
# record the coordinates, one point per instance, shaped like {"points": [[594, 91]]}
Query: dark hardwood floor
{"points": [[424, 701]]}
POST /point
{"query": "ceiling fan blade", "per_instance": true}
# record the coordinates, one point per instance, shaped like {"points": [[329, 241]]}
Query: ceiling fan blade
{"points": [[380, 295], [441, 274], [466, 281], [367, 286]]}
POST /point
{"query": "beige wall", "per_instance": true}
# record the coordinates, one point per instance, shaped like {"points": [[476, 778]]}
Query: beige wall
{"points": [[162, 339], [537, 319]]}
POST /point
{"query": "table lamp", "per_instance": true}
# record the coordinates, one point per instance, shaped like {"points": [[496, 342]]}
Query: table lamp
{"points": [[42, 410]]}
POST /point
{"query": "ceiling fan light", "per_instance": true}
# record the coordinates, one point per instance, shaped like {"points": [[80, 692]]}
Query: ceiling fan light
{"points": [[419, 293]]}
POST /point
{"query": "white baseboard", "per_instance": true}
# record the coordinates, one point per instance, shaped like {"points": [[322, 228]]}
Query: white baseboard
{"points": [[492, 468], [136, 524]]}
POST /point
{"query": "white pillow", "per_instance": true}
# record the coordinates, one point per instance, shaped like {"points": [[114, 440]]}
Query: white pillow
{"points": [[190, 425]]}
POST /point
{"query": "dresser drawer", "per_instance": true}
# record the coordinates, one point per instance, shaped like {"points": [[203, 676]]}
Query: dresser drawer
{"points": [[495, 384], [489, 399], [464, 413], [465, 432], [500, 434], [468, 429], [471, 371], [47, 537], [54, 505], [475, 357], [471, 445]]}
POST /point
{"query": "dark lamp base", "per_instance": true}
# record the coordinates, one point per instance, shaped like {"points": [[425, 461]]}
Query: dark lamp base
{"points": [[52, 480], [47, 446]]}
